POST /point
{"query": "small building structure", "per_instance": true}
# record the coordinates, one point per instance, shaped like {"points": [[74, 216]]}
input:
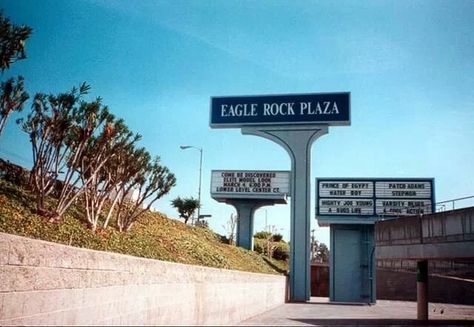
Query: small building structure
{"points": [[350, 207]]}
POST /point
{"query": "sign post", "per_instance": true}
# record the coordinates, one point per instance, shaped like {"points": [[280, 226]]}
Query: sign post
{"points": [[248, 190], [293, 121]]}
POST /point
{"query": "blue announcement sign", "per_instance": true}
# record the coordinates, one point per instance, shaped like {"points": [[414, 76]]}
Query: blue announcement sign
{"points": [[316, 108]]}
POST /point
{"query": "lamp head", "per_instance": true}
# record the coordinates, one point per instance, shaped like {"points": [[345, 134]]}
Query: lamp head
{"points": [[184, 147]]}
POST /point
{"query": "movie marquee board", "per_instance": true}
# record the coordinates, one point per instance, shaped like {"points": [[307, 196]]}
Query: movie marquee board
{"points": [[374, 197], [249, 184]]}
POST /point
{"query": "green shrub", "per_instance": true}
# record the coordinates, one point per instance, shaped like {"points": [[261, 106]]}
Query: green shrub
{"points": [[281, 252], [14, 174], [277, 237], [262, 235], [259, 246]]}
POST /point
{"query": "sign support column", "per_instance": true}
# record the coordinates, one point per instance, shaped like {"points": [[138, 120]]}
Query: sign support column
{"points": [[293, 121], [297, 141]]}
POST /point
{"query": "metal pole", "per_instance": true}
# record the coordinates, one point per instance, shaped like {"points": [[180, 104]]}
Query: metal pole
{"points": [[184, 147], [200, 174], [266, 225]]}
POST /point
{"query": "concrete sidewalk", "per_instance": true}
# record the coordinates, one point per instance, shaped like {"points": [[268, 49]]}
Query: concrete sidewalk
{"points": [[319, 312]]}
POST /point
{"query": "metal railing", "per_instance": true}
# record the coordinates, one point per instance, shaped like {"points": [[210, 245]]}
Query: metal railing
{"points": [[442, 204]]}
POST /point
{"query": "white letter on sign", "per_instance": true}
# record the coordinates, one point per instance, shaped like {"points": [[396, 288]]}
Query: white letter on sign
{"points": [[223, 112]]}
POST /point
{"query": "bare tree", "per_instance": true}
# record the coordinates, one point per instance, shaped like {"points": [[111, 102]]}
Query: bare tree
{"points": [[230, 228]]}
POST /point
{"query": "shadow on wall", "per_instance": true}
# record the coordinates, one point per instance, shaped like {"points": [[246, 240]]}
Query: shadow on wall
{"points": [[399, 285]]}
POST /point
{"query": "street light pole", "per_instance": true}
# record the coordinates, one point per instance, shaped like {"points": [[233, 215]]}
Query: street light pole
{"points": [[184, 147], [200, 176]]}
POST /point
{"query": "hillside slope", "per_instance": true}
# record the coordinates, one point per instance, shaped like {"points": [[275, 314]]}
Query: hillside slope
{"points": [[153, 236]]}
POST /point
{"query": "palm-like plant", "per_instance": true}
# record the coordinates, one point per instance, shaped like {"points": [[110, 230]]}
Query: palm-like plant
{"points": [[50, 126], [12, 48], [186, 207], [152, 182], [12, 42], [12, 98]]}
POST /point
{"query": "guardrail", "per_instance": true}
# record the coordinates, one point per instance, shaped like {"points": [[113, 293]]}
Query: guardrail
{"points": [[441, 206], [447, 226]]}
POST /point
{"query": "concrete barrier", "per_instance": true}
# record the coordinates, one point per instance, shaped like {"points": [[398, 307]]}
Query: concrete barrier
{"points": [[44, 283], [443, 235]]}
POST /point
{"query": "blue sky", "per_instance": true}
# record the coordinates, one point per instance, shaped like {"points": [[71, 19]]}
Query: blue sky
{"points": [[408, 65]]}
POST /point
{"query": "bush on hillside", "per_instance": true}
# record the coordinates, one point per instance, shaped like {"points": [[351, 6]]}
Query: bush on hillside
{"points": [[259, 246], [278, 250], [262, 235], [13, 173], [277, 237], [281, 252], [154, 236]]}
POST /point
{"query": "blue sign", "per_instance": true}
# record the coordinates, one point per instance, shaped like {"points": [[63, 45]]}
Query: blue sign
{"points": [[307, 109]]}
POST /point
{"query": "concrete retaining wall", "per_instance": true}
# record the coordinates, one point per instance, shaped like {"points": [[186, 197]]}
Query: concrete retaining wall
{"points": [[53, 284], [401, 286]]}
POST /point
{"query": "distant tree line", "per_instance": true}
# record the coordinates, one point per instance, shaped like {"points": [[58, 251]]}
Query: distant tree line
{"points": [[273, 245], [320, 252], [80, 146]]}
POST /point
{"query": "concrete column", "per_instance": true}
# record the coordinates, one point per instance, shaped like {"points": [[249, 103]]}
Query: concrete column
{"points": [[297, 141], [422, 290], [245, 212]]}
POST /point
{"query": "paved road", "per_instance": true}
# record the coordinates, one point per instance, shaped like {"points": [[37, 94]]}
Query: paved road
{"points": [[319, 312]]}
